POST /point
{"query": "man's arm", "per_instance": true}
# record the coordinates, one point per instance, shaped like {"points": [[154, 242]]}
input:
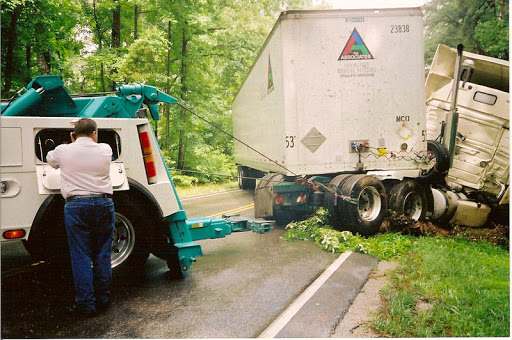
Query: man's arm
{"points": [[52, 158]]}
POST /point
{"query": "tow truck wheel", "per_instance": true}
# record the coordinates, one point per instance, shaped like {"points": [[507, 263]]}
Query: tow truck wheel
{"points": [[408, 198], [130, 243], [366, 204], [123, 240]]}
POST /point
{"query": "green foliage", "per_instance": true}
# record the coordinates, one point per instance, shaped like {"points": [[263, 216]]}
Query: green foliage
{"points": [[481, 25], [316, 228], [183, 180], [198, 51], [448, 288]]}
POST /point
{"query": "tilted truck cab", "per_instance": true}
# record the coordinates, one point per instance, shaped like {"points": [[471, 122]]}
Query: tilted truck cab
{"points": [[149, 215]]}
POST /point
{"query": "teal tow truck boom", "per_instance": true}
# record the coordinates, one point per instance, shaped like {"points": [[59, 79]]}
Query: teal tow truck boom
{"points": [[149, 215]]}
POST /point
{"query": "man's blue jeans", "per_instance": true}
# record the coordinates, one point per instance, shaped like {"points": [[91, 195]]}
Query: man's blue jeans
{"points": [[89, 227]]}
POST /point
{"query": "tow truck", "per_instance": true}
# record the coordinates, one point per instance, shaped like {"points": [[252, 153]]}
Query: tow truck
{"points": [[149, 215]]}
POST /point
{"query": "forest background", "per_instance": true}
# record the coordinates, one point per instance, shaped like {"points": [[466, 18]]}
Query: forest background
{"points": [[198, 51]]}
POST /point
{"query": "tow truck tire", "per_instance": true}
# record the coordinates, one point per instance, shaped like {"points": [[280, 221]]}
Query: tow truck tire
{"points": [[366, 204], [409, 198], [131, 242]]}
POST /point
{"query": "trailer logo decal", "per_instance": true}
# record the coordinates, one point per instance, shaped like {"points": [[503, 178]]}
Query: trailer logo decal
{"points": [[270, 82], [355, 49]]}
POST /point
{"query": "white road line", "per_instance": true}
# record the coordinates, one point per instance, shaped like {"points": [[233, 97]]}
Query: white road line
{"points": [[290, 312]]}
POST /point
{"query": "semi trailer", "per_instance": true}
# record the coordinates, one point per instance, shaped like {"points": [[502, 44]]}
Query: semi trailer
{"points": [[149, 217], [335, 105]]}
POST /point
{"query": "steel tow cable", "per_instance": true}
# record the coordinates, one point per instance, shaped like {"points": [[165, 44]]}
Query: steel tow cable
{"points": [[230, 135]]}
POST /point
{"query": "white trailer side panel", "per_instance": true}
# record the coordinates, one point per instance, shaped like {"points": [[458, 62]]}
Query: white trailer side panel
{"points": [[337, 77]]}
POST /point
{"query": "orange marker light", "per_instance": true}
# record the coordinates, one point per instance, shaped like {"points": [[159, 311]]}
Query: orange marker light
{"points": [[13, 234]]}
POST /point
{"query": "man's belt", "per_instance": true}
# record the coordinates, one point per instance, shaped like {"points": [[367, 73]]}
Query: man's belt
{"points": [[74, 197]]}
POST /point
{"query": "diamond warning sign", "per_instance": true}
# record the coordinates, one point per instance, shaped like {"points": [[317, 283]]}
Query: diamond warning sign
{"points": [[355, 49]]}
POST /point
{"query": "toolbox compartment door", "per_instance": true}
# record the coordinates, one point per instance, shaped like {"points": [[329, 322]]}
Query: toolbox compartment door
{"points": [[48, 178]]}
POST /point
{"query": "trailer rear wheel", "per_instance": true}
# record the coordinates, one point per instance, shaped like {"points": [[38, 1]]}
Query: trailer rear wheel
{"points": [[408, 198], [365, 203], [332, 199], [244, 180]]}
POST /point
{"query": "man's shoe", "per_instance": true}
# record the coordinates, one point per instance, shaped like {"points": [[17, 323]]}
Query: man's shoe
{"points": [[80, 311]]}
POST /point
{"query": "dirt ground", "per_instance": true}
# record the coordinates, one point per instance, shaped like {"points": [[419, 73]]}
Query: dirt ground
{"points": [[355, 322]]}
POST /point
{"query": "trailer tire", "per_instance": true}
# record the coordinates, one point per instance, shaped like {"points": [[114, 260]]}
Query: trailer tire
{"points": [[366, 204], [244, 182], [409, 198], [333, 201], [440, 169]]}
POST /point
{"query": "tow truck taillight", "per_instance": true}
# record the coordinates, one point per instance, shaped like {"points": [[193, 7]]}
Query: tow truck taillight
{"points": [[147, 153], [13, 234]]}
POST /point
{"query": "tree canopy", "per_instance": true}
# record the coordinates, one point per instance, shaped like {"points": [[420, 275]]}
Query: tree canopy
{"points": [[199, 51]]}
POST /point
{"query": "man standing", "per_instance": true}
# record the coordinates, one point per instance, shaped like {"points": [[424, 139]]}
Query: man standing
{"points": [[88, 213]]}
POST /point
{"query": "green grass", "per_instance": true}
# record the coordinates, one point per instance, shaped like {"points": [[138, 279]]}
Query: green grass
{"points": [[443, 287], [465, 286], [190, 190]]}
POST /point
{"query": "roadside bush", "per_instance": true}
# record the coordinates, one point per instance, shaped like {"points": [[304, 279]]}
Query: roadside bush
{"points": [[385, 246]]}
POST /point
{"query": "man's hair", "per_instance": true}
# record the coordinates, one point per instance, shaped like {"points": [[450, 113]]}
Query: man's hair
{"points": [[85, 126]]}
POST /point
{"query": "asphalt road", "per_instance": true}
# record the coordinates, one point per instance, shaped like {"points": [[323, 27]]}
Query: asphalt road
{"points": [[237, 289]]}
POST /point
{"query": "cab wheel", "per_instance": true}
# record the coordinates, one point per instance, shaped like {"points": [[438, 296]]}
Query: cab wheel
{"points": [[408, 198]]}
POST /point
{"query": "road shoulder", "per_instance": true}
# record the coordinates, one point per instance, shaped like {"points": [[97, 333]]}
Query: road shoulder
{"points": [[355, 322]]}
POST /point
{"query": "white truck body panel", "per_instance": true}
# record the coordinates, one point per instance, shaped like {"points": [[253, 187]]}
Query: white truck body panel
{"points": [[30, 180], [482, 156], [326, 79]]}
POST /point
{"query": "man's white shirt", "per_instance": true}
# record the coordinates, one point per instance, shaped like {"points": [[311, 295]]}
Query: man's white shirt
{"points": [[84, 167]]}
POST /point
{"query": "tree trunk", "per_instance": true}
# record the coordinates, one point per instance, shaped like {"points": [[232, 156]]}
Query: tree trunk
{"points": [[183, 113], [28, 58], [116, 34], [11, 35], [100, 44], [168, 88], [136, 13]]}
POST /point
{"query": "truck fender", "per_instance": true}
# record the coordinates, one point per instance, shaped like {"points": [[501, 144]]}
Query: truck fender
{"points": [[47, 219]]}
